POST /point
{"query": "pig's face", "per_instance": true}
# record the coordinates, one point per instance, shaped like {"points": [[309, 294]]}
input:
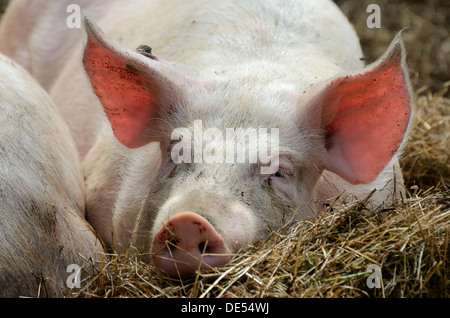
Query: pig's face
{"points": [[240, 200]]}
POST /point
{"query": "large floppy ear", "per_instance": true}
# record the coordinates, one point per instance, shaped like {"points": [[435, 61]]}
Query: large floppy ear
{"points": [[134, 89], [365, 116]]}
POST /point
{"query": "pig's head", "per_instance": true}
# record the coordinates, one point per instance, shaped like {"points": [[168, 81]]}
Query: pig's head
{"points": [[204, 204]]}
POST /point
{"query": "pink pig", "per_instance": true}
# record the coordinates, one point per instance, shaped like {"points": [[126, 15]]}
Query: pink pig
{"points": [[44, 235], [216, 66]]}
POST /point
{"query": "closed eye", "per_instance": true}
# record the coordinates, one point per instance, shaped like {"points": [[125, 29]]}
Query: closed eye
{"points": [[281, 183], [280, 174]]}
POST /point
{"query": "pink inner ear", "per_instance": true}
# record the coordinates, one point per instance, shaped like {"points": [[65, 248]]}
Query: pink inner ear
{"points": [[371, 118], [126, 102]]}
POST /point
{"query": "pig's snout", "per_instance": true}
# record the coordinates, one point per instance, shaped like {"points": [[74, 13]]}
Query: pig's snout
{"points": [[188, 242]]}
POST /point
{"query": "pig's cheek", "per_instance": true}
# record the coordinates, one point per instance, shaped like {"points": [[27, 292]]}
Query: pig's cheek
{"points": [[240, 230], [282, 187]]}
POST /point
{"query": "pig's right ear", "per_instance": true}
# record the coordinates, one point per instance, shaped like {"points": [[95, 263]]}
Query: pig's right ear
{"points": [[365, 116], [135, 90]]}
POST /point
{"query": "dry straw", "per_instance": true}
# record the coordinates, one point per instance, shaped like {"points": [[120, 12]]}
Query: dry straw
{"points": [[330, 256], [325, 257]]}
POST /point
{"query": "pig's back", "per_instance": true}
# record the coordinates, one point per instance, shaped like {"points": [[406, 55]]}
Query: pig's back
{"points": [[210, 36]]}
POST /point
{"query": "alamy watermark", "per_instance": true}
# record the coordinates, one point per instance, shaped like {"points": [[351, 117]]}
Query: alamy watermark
{"points": [[374, 279], [234, 145], [74, 278], [374, 18], [73, 20]]}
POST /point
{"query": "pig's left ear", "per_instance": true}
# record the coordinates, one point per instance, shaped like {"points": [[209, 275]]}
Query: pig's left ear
{"points": [[365, 116], [135, 90]]}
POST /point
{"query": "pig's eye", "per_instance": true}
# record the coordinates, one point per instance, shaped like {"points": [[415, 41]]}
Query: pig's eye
{"points": [[280, 174], [280, 182]]}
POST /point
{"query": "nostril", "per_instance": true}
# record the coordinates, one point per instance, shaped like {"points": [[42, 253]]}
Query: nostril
{"points": [[172, 246], [202, 247], [206, 248]]}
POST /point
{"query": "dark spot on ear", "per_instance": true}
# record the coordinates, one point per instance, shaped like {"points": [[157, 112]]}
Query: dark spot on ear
{"points": [[132, 68], [146, 51]]}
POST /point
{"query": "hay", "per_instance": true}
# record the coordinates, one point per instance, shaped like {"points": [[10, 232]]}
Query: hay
{"points": [[330, 255], [427, 159], [326, 257], [426, 36]]}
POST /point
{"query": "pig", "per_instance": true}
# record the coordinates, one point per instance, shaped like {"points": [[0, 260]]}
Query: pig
{"points": [[157, 80], [45, 241]]}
